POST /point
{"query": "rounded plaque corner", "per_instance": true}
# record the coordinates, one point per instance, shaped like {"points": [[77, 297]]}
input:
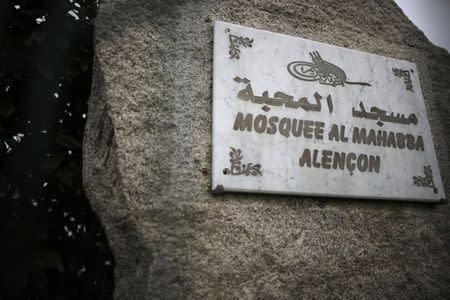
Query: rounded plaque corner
{"points": [[218, 190]]}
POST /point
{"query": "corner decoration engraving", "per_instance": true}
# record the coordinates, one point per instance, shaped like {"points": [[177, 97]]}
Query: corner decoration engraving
{"points": [[235, 42], [407, 75], [321, 70], [427, 180], [237, 168]]}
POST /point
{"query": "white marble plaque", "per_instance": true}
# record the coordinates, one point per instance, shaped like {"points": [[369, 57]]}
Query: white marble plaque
{"points": [[294, 116]]}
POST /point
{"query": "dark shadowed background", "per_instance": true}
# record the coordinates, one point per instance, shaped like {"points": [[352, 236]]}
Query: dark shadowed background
{"points": [[52, 244]]}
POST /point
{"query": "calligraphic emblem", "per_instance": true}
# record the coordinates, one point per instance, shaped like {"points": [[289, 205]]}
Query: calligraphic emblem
{"points": [[238, 168], [320, 70]]}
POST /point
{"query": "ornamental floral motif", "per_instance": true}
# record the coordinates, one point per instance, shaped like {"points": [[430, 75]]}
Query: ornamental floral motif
{"points": [[235, 42], [406, 75], [427, 180], [237, 168]]}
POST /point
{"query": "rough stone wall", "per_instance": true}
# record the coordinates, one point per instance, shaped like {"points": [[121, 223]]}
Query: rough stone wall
{"points": [[147, 159]]}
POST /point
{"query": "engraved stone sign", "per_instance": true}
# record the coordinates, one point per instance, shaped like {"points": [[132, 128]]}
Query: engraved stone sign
{"points": [[295, 116]]}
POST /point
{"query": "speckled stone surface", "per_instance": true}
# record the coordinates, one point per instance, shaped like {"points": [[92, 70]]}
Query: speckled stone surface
{"points": [[147, 164]]}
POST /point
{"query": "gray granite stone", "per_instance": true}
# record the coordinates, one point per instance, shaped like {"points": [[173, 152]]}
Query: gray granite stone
{"points": [[147, 164]]}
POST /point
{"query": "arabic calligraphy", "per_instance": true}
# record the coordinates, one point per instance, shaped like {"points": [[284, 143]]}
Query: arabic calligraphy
{"points": [[235, 42], [321, 70], [427, 180], [280, 99], [379, 114], [237, 168], [407, 75]]}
